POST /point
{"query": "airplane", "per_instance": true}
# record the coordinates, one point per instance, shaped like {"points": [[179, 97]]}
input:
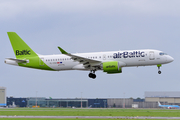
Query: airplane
{"points": [[110, 62], [168, 106]]}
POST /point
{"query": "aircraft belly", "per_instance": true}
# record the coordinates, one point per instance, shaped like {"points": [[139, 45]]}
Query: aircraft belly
{"points": [[134, 62], [140, 62]]}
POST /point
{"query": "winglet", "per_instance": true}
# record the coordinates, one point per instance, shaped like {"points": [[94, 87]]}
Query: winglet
{"points": [[62, 51]]}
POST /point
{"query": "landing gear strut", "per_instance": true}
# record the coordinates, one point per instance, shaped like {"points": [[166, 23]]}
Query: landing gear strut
{"points": [[92, 75], [159, 71]]}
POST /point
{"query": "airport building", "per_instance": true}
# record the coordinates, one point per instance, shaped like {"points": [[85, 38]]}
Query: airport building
{"points": [[64, 103], [97, 103], [16, 102], [150, 101], [43, 102], [170, 98], [3, 96]]}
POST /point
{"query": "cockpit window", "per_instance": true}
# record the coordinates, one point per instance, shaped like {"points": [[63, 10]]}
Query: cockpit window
{"points": [[162, 53]]}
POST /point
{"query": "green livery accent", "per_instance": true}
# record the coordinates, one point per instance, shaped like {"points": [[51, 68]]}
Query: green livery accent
{"points": [[159, 65], [23, 52], [21, 49], [35, 62], [111, 67], [62, 51]]}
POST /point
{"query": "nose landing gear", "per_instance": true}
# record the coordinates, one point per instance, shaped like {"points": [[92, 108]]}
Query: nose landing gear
{"points": [[159, 71], [92, 75]]}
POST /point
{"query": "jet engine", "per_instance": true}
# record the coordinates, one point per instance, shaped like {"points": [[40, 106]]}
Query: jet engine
{"points": [[112, 67]]}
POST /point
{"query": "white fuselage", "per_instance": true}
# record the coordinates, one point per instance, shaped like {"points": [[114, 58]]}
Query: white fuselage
{"points": [[110, 62], [127, 58]]}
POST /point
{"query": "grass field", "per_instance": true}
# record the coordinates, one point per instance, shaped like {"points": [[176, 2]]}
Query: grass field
{"points": [[89, 112]]}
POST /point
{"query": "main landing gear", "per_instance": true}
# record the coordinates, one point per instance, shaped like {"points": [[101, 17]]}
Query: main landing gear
{"points": [[159, 71], [92, 75]]}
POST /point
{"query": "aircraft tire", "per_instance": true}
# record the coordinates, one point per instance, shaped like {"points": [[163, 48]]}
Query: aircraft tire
{"points": [[94, 76], [91, 75], [159, 72]]}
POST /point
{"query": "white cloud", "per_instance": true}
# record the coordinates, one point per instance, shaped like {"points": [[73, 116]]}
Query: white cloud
{"points": [[35, 8]]}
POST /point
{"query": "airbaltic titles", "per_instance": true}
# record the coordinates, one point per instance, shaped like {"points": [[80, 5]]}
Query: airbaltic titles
{"points": [[129, 54]]}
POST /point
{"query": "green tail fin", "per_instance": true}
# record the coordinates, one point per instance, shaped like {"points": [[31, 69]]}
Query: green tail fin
{"points": [[21, 49]]}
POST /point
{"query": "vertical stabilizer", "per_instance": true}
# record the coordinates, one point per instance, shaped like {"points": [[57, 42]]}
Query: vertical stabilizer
{"points": [[159, 103], [20, 48]]}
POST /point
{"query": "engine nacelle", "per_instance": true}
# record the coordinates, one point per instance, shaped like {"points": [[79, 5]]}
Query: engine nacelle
{"points": [[112, 67]]}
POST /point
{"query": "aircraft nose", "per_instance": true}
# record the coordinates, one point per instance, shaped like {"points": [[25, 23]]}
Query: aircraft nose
{"points": [[170, 59]]}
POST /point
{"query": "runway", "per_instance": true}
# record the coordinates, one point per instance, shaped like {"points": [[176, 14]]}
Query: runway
{"points": [[97, 117]]}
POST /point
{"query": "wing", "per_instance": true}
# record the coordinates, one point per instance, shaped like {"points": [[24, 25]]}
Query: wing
{"points": [[85, 61]]}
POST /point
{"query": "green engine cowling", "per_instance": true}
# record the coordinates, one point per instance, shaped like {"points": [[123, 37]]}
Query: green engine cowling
{"points": [[111, 67]]}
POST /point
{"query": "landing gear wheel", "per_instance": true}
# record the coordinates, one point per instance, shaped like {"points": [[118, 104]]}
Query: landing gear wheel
{"points": [[94, 76], [159, 71], [91, 75]]}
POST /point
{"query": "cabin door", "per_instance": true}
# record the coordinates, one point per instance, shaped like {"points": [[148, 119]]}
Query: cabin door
{"points": [[151, 55]]}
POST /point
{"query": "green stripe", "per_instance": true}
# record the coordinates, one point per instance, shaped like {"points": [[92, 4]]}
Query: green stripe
{"points": [[23, 52]]}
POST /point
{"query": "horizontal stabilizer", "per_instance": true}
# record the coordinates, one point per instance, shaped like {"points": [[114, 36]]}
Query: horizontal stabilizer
{"points": [[17, 60]]}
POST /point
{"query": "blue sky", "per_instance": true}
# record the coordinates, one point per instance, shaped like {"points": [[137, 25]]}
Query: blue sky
{"points": [[90, 26]]}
